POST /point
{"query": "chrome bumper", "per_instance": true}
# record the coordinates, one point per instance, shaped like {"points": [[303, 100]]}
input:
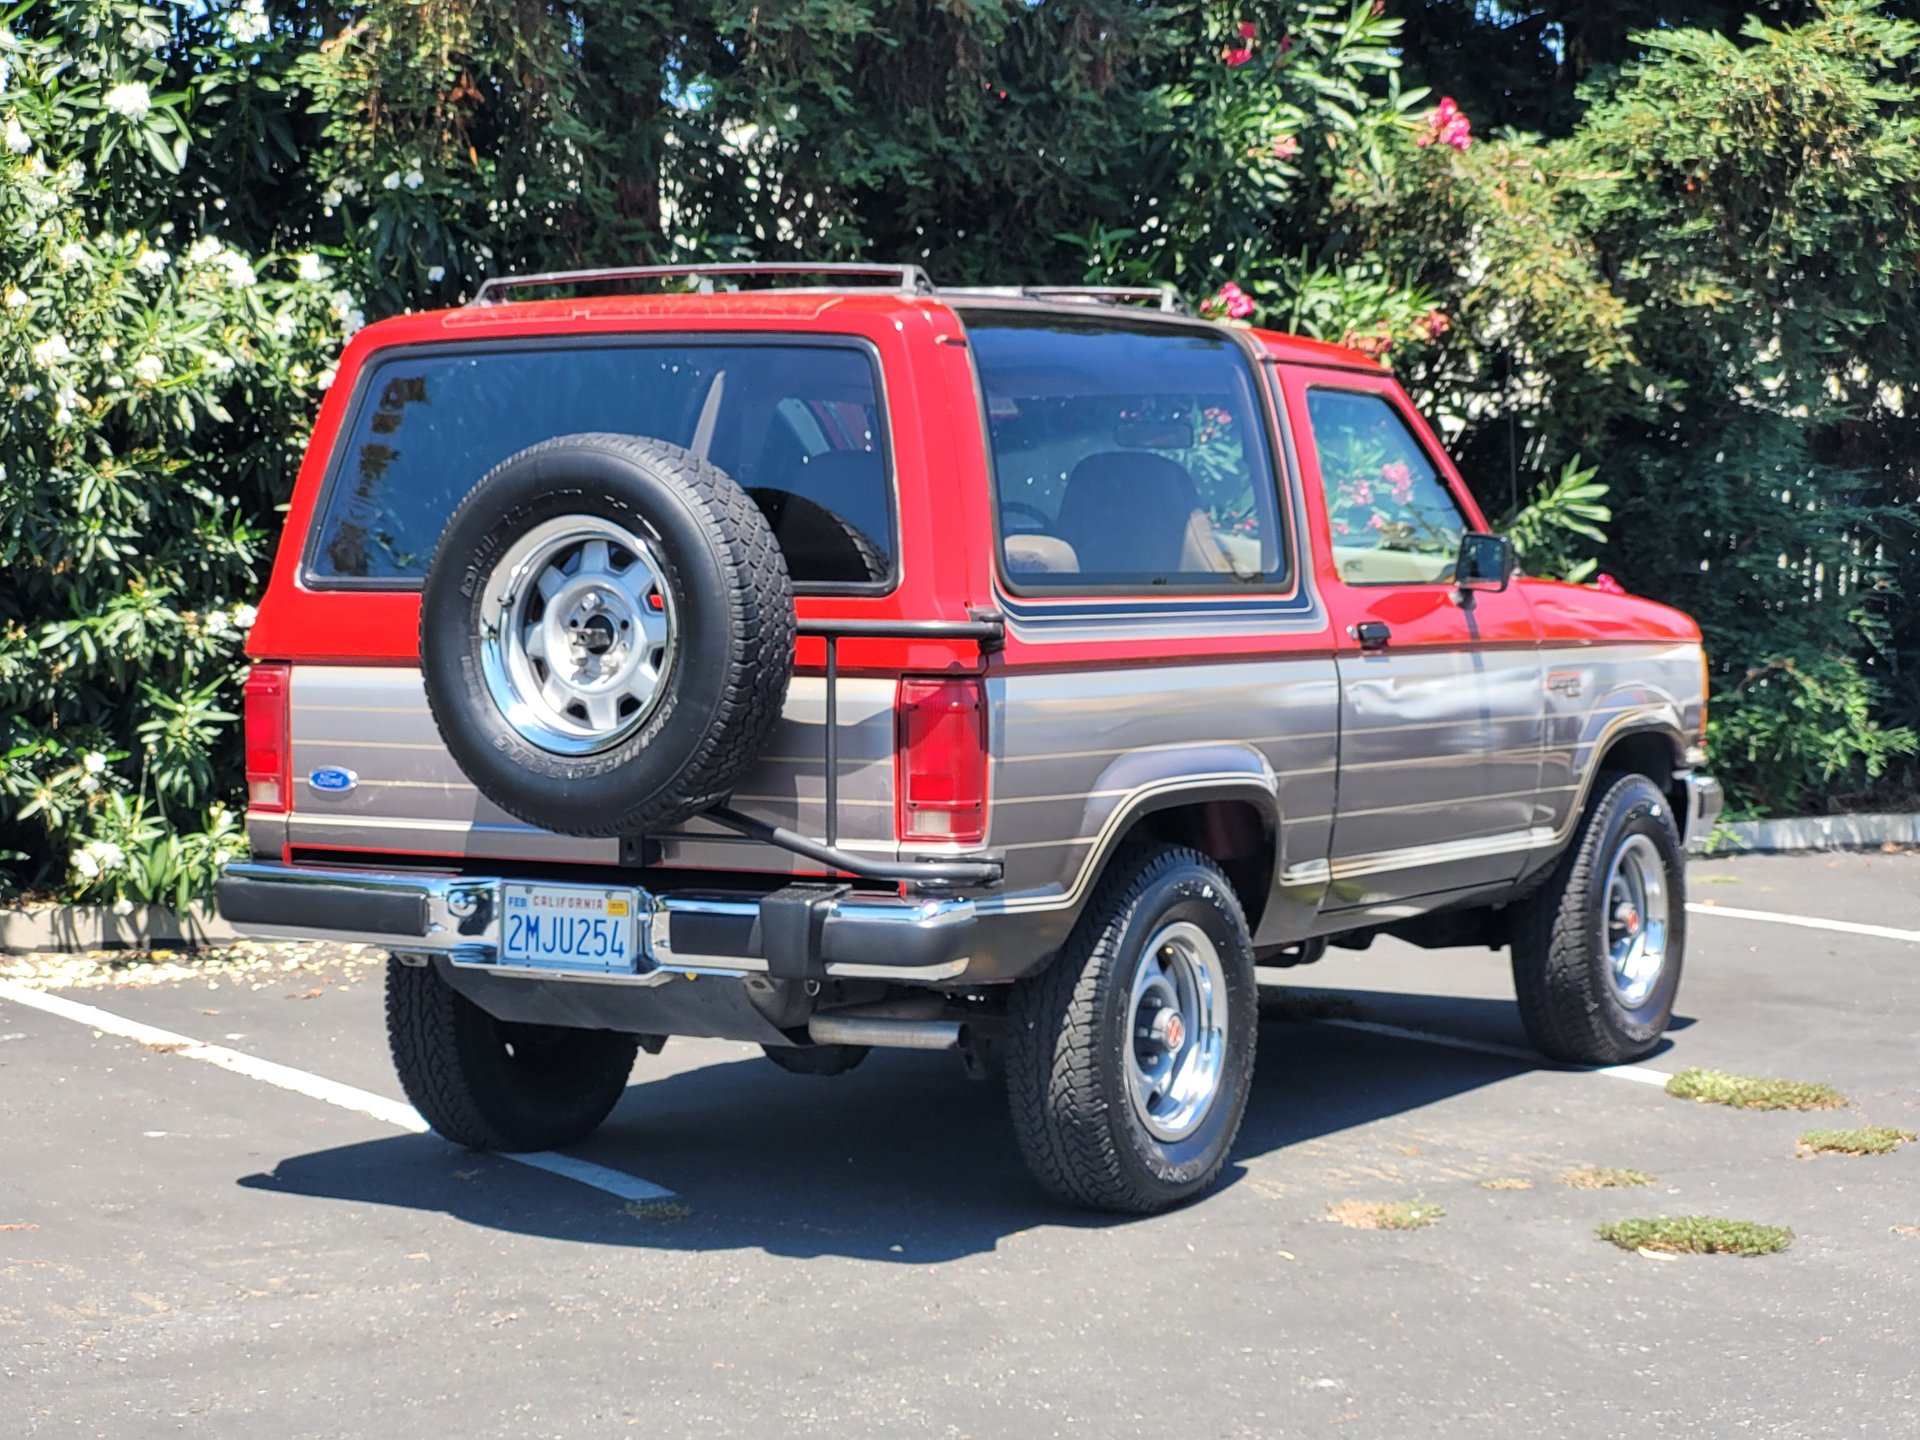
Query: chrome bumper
{"points": [[1704, 798], [807, 932]]}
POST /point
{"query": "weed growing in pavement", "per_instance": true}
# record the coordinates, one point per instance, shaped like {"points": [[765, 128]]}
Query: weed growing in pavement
{"points": [[1697, 1235], [1384, 1214], [658, 1209], [1753, 1092], [1591, 1178], [1867, 1140], [1506, 1184]]}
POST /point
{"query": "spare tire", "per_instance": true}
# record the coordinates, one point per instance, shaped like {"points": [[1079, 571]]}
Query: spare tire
{"points": [[606, 634]]}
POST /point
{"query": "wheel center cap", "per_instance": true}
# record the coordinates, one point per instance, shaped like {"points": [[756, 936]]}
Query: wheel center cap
{"points": [[1169, 1031], [596, 635]]}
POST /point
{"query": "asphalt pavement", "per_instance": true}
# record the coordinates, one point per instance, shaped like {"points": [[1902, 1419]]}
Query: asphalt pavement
{"points": [[262, 1245]]}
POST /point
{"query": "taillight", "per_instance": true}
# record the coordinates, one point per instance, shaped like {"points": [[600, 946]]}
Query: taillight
{"points": [[941, 760], [269, 751]]}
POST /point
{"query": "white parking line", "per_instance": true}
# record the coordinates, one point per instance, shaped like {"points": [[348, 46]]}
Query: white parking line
{"points": [[316, 1087], [1806, 922], [1640, 1074]]}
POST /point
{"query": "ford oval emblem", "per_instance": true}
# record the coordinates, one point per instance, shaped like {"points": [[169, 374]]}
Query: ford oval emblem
{"points": [[332, 780]]}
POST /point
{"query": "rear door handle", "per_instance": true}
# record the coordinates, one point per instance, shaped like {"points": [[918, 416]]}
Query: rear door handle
{"points": [[1372, 634]]}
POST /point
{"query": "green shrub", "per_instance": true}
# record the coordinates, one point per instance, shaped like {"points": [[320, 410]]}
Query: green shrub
{"points": [[158, 369]]}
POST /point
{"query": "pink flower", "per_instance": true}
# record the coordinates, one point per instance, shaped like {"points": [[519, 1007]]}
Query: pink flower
{"points": [[1368, 342], [1236, 55], [1362, 493], [1285, 148], [1448, 125], [1434, 324], [1403, 493], [1286, 44], [1248, 30], [1339, 527], [1375, 522], [1607, 585], [1395, 472], [1231, 299]]}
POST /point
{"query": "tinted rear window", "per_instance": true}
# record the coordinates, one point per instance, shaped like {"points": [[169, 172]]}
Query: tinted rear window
{"points": [[797, 425]]}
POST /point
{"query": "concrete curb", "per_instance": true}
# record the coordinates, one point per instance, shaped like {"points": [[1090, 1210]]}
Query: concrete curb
{"points": [[1814, 832], [96, 927]]}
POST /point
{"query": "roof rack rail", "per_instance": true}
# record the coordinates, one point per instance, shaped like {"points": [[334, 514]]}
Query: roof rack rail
{"points": [[1164, 297], [909, 279]]}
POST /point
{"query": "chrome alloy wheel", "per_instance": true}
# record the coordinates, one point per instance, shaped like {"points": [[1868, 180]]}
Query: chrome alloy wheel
{"points": [[578, 634], [1177, 1041], [1636, 918]]}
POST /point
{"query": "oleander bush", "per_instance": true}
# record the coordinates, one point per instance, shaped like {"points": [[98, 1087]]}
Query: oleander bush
{"points": [[1673, 336]]}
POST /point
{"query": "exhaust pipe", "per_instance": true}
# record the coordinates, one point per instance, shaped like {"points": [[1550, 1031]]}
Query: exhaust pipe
{"points": [[886, 1034]]}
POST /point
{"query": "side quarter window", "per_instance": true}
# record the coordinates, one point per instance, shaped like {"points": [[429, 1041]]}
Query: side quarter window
{"points": [[1394, 521], [1128, 457]]}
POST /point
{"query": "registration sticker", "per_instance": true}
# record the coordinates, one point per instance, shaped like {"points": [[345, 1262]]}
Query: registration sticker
{"points": [[569, 927]]}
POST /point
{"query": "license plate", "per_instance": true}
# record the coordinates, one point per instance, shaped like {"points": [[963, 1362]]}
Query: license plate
{"points": [[570, 927]]}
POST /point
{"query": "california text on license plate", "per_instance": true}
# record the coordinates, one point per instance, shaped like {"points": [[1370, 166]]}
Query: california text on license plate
{"points": [[569, 927]]}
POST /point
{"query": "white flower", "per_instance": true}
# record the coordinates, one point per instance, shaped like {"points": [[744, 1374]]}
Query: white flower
{"points": [[123, 906], [244, 616], [130, 100], [203, 250], [216, 622], [309, 267], [93, 762], [107, 352], [143, 37], [221, 364], [239, 273], [391, 181], [18, 298], [249, 23], [151, 260], [109, 855], [18, 141], [85, 866], [324, 380], [6, 75], [29, 393], [284, 326], [51, 351], [436, 273], [415, 179], [330, 200], [148, 369], [71, 254]]}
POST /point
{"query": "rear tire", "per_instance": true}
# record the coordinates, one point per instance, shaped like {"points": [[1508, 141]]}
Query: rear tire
{"points": [[1091, 1039], [1589, 995], [493, 1085]]}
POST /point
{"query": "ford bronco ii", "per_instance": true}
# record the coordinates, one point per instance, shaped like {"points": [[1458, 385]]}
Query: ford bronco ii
{"points": [[846, 662]]}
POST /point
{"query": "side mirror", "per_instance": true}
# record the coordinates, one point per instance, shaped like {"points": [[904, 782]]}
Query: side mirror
{"points": [[1485, 563]]}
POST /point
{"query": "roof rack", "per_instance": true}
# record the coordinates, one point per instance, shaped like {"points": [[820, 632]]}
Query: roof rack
{"points": [[908, 279], [1164, 297]]}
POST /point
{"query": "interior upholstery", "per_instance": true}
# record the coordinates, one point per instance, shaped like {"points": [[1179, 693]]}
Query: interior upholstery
{"points": [[1131, 512]]}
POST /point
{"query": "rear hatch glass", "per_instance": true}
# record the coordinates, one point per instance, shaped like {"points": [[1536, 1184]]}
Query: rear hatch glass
{"points": [[798, 425]]}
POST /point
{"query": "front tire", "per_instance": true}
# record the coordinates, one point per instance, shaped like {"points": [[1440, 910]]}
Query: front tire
{"points": [[1597, 950], [1130, 1056], [494, 1085]]}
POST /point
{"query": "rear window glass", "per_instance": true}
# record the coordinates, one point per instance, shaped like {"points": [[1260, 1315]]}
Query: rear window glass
{"points": [[1125, 457], [798, 426]]}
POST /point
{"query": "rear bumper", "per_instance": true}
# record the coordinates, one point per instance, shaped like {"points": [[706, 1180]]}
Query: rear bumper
{"points": [[809, 932], [1704, 798]]}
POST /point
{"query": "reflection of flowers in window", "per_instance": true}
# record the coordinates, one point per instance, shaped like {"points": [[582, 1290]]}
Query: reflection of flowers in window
{"points": [[1371, 498]]}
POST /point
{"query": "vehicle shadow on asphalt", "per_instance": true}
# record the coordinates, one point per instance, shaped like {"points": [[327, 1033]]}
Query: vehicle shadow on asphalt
{"points": [[902, 1160]]}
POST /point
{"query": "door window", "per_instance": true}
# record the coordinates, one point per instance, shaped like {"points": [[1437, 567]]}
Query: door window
{"points": [[1127, 456], [1394, 520]]}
